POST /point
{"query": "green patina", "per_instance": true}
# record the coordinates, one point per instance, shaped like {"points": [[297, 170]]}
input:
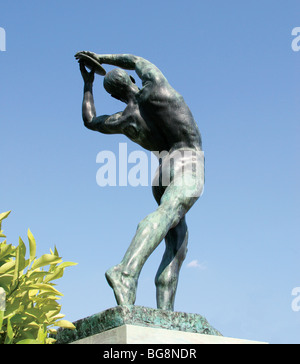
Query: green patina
{"points": [[139, 316]]}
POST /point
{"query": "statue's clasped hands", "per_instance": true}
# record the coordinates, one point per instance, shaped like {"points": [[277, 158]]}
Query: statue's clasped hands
{"points": [[88, 77], [91, 61]]}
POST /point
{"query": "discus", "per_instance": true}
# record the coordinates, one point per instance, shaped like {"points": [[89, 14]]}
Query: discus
{"points": [[91, 63]]}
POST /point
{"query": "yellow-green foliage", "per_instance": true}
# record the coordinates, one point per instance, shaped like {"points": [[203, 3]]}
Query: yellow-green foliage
{"points": [[31, 311]]}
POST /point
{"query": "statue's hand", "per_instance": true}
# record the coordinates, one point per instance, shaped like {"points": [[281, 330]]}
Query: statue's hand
{"points": [[93, 55], [88, 77]]}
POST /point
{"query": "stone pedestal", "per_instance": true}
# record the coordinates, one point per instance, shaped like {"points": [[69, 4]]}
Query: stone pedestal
{"points": [[141, 325], [131, 334]]}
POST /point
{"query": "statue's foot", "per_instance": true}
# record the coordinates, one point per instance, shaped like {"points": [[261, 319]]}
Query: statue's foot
{"points": [[123, 285]]}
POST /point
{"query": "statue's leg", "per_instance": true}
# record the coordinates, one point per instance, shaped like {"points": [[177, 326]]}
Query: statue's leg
{"points": [[151, 231], [177, 198], [123, 278], [166, 279]]}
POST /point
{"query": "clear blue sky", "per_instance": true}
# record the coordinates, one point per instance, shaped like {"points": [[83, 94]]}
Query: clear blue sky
{"points": [[233, 63]]}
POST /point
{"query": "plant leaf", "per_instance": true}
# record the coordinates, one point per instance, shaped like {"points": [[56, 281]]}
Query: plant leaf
{"points": [[32, 246], [17, 263], [47, 288], [4, 215], [7, 267], [9, 333], [28, 341], [50, 340], [65, 324], [5, 280], [42, 334], [44, 260], [66, 264], [22, 262], [58, 273], [5, 250]]}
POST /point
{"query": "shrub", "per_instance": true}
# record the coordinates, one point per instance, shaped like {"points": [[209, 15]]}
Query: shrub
{"points": [[30, 312]]}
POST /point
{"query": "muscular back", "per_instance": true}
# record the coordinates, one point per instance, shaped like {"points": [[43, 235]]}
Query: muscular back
{"points": [[165, 111]]}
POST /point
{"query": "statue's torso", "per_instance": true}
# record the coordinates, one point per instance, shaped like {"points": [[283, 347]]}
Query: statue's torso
{"points": [[159, 119]]}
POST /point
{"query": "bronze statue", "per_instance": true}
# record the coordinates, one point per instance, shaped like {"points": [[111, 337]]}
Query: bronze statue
{"points": [[157, 118]]}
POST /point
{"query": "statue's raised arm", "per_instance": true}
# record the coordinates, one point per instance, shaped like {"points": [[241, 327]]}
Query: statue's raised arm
{"points": [[146, 70]]}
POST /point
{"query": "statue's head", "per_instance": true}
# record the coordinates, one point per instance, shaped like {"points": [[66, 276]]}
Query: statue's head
{"points": [[119, 84]]}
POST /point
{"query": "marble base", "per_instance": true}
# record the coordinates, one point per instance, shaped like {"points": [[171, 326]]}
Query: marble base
{"points": [[130, 334]]}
